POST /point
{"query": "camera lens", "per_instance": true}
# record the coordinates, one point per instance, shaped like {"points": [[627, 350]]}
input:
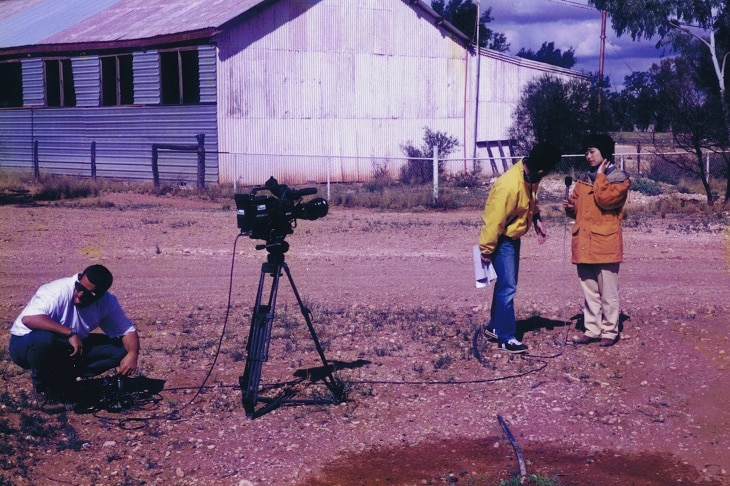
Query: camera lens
{"points": [[311, 210]]}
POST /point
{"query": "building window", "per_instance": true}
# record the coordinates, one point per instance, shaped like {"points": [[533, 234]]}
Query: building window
{"points": [[11, 85], [180, 77], [59, 83], [117, 80]]}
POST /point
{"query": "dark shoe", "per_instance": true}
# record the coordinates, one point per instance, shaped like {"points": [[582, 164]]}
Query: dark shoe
{"points": [[47, 401], [607, 342], [490, 332], [512, 346], [583, 339]]}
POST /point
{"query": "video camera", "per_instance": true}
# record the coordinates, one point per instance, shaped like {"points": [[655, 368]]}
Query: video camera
{"points": [[273, 217]]}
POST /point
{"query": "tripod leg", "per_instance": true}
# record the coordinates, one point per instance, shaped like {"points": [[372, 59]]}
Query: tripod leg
{"points": [[329, 380], [259, 338]]}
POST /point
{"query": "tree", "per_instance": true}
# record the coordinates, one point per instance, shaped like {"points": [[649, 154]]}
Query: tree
{"points": [[681, 24], [419, 168], [462, 14], [691, 111], [549, 55], [561, 112]]}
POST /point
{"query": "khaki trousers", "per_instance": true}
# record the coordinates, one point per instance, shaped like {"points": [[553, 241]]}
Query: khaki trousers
{"points": [[601, 310]]}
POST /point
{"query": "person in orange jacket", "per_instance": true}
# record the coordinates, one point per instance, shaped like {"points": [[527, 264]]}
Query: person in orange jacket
{"points": [[596, 203]]}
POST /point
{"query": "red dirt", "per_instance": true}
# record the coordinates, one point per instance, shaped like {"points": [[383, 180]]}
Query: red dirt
{"points": [[395, 306]]}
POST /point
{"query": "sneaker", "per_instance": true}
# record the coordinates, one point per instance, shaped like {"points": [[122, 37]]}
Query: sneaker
{"points": [[490, 332], [512, 346]]}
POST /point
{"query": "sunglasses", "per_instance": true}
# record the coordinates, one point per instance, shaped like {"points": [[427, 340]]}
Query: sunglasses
{"points": [[86, 293]]}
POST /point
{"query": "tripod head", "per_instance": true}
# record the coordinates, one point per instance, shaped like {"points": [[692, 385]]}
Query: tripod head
{"points": [[276, 249]]}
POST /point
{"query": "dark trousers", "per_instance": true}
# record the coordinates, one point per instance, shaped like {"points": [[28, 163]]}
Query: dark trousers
{"points": [[47, 355]]}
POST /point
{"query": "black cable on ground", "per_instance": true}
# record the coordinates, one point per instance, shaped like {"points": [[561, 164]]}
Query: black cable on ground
{"points": [[175, 414]]}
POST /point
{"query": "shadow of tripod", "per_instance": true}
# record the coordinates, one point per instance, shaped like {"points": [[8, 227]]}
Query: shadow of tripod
{"points": [[260, 336]]}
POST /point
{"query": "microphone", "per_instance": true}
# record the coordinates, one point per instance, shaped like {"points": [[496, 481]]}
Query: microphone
{"points": [[568, 182]]}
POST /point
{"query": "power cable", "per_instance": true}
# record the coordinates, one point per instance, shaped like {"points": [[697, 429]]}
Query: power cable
{"points": [[175, 414]]}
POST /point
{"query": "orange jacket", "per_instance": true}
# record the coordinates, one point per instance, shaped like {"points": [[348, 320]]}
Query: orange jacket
{"points": [[597, 235]]}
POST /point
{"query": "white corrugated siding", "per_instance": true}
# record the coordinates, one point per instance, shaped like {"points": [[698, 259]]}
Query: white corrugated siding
{"points": [[333, 78]]}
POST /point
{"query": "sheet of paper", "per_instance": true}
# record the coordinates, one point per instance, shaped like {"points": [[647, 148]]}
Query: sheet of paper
{"points": [[483, 274]]}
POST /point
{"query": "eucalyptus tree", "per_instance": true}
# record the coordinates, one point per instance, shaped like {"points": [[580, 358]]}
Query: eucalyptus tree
{"points": [[682, 24]]}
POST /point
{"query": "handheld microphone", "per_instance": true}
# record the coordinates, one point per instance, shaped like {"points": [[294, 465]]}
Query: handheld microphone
{"points": [[568, 182]]}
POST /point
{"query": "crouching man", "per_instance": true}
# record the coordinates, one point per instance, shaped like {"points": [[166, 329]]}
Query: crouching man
{"points": [[53, 336]]}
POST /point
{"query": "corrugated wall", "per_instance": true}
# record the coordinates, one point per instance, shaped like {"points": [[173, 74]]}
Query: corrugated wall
{"points": [[146, 66], [86, 79], [346, 80], [123, 136], [32, 82]]}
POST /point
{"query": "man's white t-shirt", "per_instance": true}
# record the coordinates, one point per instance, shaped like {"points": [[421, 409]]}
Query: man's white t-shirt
{"points": [[55, 300]]}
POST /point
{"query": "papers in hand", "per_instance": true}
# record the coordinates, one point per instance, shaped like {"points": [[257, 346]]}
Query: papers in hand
{"points": [[484, 274]]}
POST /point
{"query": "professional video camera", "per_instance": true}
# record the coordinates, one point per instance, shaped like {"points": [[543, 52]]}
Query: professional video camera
{"points": [[273, 217]]}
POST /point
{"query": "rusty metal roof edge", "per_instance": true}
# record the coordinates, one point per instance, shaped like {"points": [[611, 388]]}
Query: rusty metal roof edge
{"points": [[190, 37]]}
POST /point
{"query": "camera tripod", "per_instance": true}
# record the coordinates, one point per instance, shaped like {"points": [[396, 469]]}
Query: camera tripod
{"points": [[260, 336]]}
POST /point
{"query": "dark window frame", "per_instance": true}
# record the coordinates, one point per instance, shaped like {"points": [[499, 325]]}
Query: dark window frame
{"points": [[117, 80], [11, 84], [58, 82], [179, 77]]}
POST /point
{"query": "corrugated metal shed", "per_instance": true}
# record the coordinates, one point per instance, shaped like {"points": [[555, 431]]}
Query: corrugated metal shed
{"points": [[42, 23], [311, 89]]}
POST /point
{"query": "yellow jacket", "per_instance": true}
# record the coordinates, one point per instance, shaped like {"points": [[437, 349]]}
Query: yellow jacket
{"points": [[597, 235], [509, 208]]}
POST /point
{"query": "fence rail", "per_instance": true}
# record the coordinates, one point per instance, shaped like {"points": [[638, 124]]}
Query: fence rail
{"points": [[249, 169]]}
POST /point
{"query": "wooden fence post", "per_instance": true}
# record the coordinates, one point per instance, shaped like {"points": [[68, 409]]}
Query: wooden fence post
{"points": [[155, 170], [36, 165], [93, 160], [201, 162]]}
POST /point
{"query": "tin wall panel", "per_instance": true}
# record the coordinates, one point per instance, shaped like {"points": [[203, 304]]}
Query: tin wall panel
{"points": [[123, 136], [87, 80], [317, 82], [33, 93], [146, 67], [207, 66]]}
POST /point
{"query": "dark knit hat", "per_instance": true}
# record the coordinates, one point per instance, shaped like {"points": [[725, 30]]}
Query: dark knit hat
{"points": [[543, 156], [604, 143]]}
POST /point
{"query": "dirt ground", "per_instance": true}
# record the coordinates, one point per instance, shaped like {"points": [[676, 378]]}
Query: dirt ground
{"points": [[395, 308]]}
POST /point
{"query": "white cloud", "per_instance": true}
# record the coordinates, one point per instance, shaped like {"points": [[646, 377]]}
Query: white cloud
{"points": [[529, 23]]}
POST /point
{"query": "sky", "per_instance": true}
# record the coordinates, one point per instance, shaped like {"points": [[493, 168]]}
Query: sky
{"points": [[571, 24]]}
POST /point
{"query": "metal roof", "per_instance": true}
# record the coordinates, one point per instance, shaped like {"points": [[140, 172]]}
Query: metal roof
{"points": [[47, 22], [28, 26]]}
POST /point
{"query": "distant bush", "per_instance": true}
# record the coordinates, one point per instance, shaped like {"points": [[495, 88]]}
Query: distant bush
{"points": [[63, 187], [381, 178], [646, 186], [419, 167], [663, 171]]}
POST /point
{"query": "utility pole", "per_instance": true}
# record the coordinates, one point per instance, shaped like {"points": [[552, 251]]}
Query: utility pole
{"points": [[476, 94], [600, 59]]}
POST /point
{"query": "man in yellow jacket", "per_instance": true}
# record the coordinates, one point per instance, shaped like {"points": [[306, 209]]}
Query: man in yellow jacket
{"points": [[596, 203], [508, 213]]}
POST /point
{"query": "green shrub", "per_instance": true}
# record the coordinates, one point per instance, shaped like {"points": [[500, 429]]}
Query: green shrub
{"points": [[646, 186], [419, 167]]}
